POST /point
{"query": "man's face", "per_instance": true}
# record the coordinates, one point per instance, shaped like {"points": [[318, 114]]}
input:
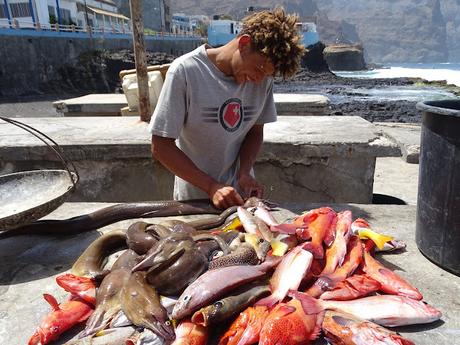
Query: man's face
{"points": [[248, 65]]}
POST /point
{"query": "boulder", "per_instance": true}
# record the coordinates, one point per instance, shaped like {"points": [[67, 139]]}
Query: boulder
{"points": [[344, 57]]}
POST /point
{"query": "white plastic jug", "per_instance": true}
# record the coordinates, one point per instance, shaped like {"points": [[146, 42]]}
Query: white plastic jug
{"points": [[130, 89]]}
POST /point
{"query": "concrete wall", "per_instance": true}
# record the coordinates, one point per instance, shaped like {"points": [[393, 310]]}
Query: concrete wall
{"points": [[30, 60]]}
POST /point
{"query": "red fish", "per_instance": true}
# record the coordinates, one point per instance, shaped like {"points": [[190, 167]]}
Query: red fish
{"points": [[63, 317], [345, 329], [288, 324], [320, 224], [335, 254], [82, 287], [352, 260], [189, 333], [353, 287], [385, 310], [390, 281], [245, 330]]}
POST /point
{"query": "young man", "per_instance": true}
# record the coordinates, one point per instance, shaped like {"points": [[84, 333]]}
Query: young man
{"points": [[207, 127]]}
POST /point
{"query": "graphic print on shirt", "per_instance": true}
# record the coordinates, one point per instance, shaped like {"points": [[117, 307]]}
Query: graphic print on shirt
{"points": [[230, 115]]}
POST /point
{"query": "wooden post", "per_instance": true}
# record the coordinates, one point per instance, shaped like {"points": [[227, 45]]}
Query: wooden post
{"points": [[140, 60]]}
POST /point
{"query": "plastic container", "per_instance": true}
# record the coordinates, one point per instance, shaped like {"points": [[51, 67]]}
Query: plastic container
{"points": [[129, 85], [438, 204]]}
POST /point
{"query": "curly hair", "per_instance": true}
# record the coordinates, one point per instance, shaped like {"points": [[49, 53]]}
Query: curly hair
{"points": [[274, 34]]}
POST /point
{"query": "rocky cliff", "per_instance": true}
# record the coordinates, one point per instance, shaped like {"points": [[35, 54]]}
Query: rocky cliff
{"points": [[390, 30]]}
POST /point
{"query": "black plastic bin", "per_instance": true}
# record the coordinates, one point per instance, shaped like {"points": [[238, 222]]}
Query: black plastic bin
{"points": [[438, 204]]}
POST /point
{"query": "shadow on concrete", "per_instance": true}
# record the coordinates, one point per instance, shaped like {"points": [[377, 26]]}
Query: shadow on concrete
{"points": [[420, 327]]}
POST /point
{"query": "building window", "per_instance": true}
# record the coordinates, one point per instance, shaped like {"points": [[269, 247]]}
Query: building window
{"points": [[20, 9], [51, 11], [2, 11], [65, 16]]}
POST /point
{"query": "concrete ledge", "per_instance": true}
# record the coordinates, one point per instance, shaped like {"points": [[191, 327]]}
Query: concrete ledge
{"points": [[30, 264], [112, 104], [406, 135], [316, 158]]}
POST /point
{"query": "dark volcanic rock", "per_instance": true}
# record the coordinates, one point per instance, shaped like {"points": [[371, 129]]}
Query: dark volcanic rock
{"points": [[344, 57], [313, 60]]}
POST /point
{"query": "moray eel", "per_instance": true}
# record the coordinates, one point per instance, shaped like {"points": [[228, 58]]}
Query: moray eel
{"points": [[229, 306], [108, 302], [112, 214], [91, 262], [141, 304], [142, 236], [127, 260], [243, 255]]}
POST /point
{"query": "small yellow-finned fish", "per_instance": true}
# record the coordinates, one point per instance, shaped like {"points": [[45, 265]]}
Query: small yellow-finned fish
{"points": [[235, 224], [362, 228]]}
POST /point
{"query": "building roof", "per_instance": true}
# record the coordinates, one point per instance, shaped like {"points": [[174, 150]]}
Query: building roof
{"points": [[107, 13]]}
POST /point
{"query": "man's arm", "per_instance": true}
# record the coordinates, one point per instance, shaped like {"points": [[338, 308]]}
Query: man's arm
{"points": [[176, 161], [248, 154]]}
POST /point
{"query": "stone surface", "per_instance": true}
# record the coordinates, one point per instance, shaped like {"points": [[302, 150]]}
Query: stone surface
{"points": [[30, 264], [406, 135], [111, 104], [307, 158], [344, 57]]}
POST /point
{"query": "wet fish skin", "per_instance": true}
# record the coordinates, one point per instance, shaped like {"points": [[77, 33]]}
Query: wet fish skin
{"points": [[141, 304], [91, 261], [229, 306], [138, 239], [189, 333], [355, 286], [345, 329], [243, 255], [390, 282], [245, 330], [385, 310], [108, 302], [109, 336], [288, 324], [215, 283], [83, 287]]}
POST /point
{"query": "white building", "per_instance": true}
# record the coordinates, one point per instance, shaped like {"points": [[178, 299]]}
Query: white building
{"points": [[99, 14]]}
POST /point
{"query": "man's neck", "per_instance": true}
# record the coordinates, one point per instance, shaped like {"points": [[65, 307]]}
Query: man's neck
{"points": [[221, 57]]}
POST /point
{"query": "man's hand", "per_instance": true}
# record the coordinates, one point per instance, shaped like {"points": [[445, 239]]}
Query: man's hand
{"points": [[250, 187], [223, 196]]}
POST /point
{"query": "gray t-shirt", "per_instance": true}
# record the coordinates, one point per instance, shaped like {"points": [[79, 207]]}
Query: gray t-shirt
{"points": [[209, 114]]}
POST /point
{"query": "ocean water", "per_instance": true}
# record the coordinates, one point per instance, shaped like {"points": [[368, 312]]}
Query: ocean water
{"points": [[449, 72]]}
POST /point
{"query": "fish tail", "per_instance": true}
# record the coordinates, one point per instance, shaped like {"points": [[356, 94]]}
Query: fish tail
{"points": [[378, 239], [316, 249], [310, 305], [278, 248]]}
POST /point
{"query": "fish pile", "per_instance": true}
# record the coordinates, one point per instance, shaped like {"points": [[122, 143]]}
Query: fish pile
{"points": [[250, 280]]}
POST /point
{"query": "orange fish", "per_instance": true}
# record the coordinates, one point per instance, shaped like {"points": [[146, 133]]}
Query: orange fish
{"points": [[352, 260], [189, 333], [288, 324], [245, 330], [353, 287], [390, 281], [320, 224], [344, 329], [335, 254], [63, 317], [82, 287]]}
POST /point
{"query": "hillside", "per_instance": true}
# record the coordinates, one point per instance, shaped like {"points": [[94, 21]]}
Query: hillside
{"points": [[390, 30]]}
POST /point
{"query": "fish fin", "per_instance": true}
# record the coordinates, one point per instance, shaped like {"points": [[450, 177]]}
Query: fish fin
{"points": [[319, 322], [268, 301], [316, 250], [378, 239], [51, 301], [278, 248], [310, 305], [285, 228]]}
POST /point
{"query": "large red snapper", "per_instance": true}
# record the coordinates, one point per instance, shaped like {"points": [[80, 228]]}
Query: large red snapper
{"points": [[353, 287], [288, 324], [83, 287], [63, 317], [385, 310], [345, 329]]}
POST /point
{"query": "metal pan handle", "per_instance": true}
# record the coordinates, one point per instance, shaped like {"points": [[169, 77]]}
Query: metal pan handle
{"points": [[56, 149]]}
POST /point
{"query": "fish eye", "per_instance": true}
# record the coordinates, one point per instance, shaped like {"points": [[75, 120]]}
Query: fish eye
{"points": [[168, 323], [261, 240], [218, 304]]}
